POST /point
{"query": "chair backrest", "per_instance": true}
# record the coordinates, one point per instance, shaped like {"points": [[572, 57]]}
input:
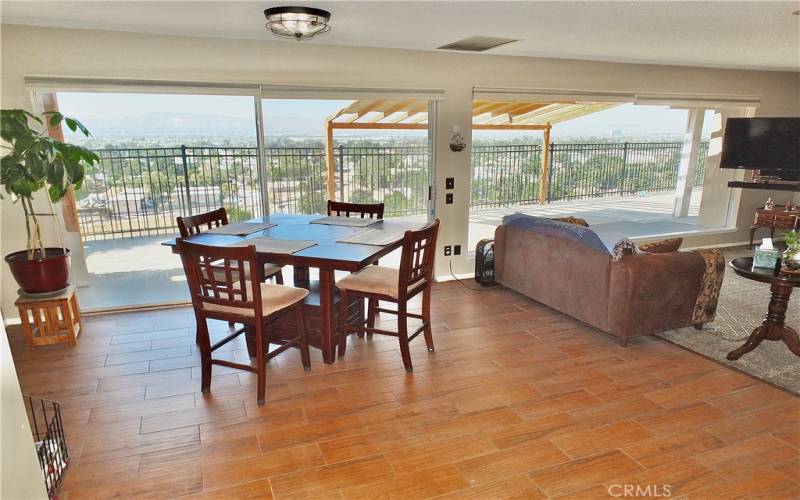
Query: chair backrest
{"points": [[363, 210], [416, 261], [214, 279], [196, 223]]}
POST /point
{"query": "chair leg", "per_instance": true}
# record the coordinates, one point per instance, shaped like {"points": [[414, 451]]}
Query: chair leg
{"points": [[205, 354], [402, 335], [342, 336], [261, 394], [372, 305], [426, 317], [301, 330]]}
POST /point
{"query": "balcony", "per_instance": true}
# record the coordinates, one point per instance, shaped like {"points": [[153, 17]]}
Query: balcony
{"points": [[129, 202]]}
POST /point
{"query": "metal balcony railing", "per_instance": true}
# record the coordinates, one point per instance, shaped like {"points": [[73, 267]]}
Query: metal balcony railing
{"points": [[140, 191], [511, 174]]}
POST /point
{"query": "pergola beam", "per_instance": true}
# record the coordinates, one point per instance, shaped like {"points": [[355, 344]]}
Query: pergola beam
{"points": [[377, 126], [545, 179], [487, 126], [330, 161]]}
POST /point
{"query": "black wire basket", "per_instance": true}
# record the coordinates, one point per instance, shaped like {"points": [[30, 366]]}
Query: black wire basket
{"points": [[51, 446]]}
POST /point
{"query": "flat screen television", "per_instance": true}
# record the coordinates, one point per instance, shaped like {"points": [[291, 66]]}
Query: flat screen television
{"points": [[771, 145]]}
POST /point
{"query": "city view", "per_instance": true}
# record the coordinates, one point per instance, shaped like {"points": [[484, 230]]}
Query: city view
{"points": [[156, 165]]}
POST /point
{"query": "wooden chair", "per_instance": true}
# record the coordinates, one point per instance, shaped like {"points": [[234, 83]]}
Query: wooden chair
{"points": [[368, 210], [376, 283], [247, 301], [195, 224]]}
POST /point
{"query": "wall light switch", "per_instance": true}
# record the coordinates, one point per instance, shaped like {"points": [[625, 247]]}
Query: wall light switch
{"points": [[450, 183], [456, 249], [448, 198]]}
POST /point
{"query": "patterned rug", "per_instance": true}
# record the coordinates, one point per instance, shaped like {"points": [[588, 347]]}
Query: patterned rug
{"points": [[742, 306]]}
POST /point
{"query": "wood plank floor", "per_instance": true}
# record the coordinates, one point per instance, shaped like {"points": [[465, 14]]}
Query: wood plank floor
{"points": [[518, 401]]}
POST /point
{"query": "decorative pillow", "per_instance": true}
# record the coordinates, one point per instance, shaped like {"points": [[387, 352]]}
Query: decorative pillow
{"points": [[705, 308], [573, 220], [623, 248], [662, 246]]}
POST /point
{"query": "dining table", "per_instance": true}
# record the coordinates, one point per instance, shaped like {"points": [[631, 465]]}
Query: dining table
{"points": [[327, 254]]}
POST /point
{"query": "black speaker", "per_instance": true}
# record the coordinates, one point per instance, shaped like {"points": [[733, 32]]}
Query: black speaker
{"points": [[484, 262]]}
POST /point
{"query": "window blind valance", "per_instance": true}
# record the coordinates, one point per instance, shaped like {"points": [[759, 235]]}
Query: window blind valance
{"points": [[62, 84]]}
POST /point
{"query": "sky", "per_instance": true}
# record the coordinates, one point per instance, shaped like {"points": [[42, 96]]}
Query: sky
{"points": [[308, 116]]}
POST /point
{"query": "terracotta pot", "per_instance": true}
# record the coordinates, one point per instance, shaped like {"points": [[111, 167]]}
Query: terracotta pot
{"points": [[41, 275]]}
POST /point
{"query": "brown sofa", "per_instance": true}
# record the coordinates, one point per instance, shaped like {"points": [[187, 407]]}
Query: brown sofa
{"points": [[639, 294]]}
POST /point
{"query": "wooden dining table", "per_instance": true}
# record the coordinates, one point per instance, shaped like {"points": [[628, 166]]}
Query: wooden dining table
{"points": [[327, 255]]}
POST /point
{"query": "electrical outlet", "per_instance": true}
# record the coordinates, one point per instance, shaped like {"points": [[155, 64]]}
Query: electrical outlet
{"points": [[457, 250], [448, 199], [447, 250], [450, 183]]}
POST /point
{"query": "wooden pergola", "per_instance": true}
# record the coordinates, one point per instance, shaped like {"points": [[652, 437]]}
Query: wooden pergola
{"points": [[409, 114]]}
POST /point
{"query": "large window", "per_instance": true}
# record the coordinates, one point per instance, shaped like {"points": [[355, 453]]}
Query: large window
{"points": [[161, 156], [169, 155], [616, 165]]}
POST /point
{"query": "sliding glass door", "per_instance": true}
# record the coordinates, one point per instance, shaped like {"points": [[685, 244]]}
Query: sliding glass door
{"points": [[358, 151], [161, 156]]}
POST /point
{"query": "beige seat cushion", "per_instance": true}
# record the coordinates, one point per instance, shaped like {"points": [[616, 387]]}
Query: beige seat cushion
{"points": [[269, 270], [376, 279], [273, 299]]}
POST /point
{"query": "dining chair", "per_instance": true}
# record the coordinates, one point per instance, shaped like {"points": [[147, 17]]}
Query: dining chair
{"points": [[194, 224], [368, 210], [223, 296], [378, 283]]}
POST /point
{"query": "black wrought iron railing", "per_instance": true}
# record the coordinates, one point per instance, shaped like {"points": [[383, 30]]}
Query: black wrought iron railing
{"points": [[511, 175], [395, 176], [140, 191]]}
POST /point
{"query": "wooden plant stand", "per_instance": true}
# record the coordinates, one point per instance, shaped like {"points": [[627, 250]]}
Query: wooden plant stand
{"points": [[50, 320]]}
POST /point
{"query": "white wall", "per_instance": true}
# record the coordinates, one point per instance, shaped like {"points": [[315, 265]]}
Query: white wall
{"points": [[83, 53], [20, 474]]}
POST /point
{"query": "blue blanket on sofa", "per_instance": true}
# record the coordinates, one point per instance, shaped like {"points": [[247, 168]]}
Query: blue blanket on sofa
{"points": [[602, 241]]}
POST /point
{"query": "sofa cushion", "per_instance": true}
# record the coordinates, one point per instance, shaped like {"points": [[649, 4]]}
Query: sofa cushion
{"points": [[662, 246], [572, 220]]}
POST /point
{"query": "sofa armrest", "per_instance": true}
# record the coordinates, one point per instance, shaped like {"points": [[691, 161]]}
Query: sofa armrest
{"points": [[655, 292]]}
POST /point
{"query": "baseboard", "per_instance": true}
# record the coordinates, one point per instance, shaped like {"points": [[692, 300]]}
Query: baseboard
{"points": [[451, 277], [726, 245]]}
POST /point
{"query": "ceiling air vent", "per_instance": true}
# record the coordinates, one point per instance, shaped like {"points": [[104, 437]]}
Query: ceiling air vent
{"points": [[478, 43]]}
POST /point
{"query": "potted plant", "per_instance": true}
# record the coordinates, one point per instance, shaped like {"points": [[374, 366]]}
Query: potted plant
{"points": [[791, 256], [33, 161]]}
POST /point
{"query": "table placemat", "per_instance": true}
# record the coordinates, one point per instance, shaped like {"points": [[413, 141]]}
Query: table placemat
{"points": [[345, 221], [377, 237], [241, 228], [272, 245]]}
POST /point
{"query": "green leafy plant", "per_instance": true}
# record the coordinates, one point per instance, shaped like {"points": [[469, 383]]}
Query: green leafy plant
{"points": [[792, 239], [34, 161]]}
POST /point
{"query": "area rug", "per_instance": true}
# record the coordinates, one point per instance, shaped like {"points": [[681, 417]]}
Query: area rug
{"points": [[742, 306]]}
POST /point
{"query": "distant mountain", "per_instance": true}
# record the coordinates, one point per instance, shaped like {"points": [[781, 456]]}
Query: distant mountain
{"points": [[176, 124]]}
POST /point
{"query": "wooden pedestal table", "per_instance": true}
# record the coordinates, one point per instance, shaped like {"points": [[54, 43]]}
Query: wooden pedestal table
{"points": [[50, 320], [773, 327]]}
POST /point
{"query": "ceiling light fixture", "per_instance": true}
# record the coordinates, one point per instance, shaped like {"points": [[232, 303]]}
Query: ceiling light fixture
{"points": [[299, 23]]}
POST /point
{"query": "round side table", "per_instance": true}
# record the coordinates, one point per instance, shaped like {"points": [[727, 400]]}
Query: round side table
{"points": [[773, 326]]}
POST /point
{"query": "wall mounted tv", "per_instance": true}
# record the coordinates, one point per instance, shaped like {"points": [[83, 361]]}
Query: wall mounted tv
{"points": [[771, 145]]}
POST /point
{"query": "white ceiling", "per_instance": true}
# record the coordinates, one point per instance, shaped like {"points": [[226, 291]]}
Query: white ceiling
{"points": [[727, 34]]}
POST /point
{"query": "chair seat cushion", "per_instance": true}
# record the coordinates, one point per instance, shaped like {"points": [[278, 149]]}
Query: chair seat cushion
{"points": [[376, 279], [273, 299]]}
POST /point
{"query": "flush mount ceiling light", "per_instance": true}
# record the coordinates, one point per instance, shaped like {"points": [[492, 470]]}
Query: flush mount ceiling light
{"points": [[299, 23]]}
